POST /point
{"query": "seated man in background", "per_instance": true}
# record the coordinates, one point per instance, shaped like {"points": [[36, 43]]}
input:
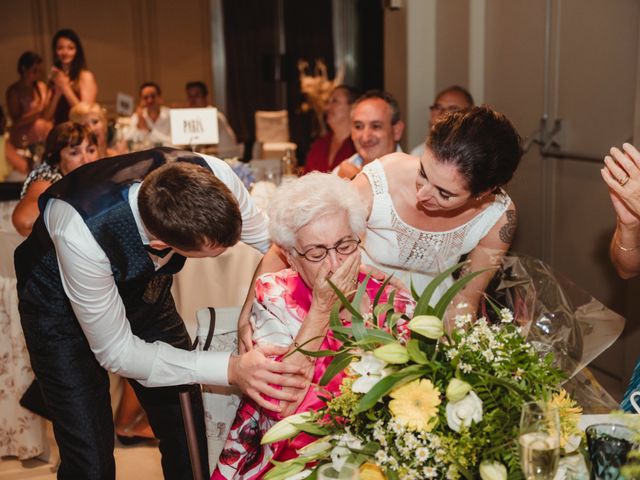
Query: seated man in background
{"points": [[376, 129], [198, 97], [451, 99], [150, 126]]}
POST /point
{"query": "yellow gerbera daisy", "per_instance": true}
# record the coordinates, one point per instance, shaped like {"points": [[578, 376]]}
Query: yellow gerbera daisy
{"points": [[415, 405], [569, 412], [370, 471]]}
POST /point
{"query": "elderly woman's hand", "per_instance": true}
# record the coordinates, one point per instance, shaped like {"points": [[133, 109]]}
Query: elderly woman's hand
{"points": [[345, 278], [622, 174]]}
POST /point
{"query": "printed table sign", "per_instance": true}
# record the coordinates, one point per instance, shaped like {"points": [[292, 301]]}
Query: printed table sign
{"points": [[194, 126]]}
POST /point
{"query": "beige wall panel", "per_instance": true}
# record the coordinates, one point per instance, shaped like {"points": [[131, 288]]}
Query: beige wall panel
{"points": [[584, 222], [597, 79], [183, 46], [514, 85], [452, 39], [106, 30], [596, 91], [395, 59]]}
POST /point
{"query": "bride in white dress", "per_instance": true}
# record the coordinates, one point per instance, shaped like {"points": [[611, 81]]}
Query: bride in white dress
{"points": [[425, 213]]}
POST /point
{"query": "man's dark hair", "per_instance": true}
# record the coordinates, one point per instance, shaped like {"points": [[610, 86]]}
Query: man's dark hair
{"points": [[150, 84], [458, 89], [27, 60], [385, 96], [199, 85], [186, 206], [482, 143]]}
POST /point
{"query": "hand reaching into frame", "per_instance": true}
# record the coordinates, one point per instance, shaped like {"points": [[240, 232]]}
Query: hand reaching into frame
{"points": [[621, 173]]}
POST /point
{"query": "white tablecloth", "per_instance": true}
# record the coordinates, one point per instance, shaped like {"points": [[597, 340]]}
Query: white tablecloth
{"points": [[22, 433]]}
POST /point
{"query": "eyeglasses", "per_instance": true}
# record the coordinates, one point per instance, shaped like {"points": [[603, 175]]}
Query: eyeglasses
{"points": [[440, 109], [319, 253]]}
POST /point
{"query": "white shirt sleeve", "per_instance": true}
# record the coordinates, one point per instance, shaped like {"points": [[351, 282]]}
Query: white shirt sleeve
{"points": [[88, 282], [254, 223]]}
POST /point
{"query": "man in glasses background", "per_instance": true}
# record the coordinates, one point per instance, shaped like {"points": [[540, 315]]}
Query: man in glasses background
{"points": [[451, 99]]}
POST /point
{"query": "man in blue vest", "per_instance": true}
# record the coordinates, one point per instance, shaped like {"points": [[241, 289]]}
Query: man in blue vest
{"points": [[94, 281]]}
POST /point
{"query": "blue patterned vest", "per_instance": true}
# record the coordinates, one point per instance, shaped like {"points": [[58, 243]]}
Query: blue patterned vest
{"points": [[99, 193]]}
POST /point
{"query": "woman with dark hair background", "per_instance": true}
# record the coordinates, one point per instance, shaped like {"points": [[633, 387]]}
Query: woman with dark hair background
{"points": [[70, 80]]}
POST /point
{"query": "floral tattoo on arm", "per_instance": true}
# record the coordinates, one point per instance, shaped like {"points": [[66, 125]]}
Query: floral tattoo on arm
{"points": [[508, 230]]}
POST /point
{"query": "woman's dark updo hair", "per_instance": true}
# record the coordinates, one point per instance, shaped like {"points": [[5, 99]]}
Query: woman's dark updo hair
{"points": [[481, 143], [27, 60], [63, 135], [79, 63]]}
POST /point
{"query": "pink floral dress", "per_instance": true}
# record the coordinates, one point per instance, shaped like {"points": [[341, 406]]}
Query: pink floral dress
{"points": [[282, 302]]}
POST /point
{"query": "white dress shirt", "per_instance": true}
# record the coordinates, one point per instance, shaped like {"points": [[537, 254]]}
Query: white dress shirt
{"points": [[159, 132], [89, 284]]}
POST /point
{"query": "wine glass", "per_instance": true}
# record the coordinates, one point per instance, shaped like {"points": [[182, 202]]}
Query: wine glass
{"points": [[539, 441]]}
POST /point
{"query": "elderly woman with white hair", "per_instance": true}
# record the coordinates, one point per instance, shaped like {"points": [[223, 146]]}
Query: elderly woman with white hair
{"points": [[317, 221]]}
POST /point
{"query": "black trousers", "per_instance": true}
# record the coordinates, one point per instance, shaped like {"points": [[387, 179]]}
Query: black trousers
{"points": [[76, 392]]}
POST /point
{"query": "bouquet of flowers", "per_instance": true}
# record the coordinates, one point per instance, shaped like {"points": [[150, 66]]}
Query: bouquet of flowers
{"points": [[418, 402]]}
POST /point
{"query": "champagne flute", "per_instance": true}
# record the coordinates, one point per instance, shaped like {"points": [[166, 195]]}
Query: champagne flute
{"points": [[539, 441]]}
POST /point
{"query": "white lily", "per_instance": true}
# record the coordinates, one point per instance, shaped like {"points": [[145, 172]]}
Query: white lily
{"points": [[339, 457], [463, 412], [285, 428], [370, 369], [493, 471], [315, 448]]}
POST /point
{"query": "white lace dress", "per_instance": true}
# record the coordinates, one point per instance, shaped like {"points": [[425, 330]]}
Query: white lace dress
{"points": [[414, 255]]}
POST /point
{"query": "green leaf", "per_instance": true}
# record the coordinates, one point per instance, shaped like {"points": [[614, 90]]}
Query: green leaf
{"points": [[416, 353], [357, 322], [448, 296], [422, 307], [393, 319], [391, 474], [376, 335], [335, 324], [284, 470], [338, 364], [313, 429], [317, 353], [344, 301], [385, 385], [414, 292], [382, 310], [376, 300]]}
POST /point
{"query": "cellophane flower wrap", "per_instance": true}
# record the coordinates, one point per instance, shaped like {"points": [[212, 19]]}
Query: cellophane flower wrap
{"points": [[418, 402]]}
